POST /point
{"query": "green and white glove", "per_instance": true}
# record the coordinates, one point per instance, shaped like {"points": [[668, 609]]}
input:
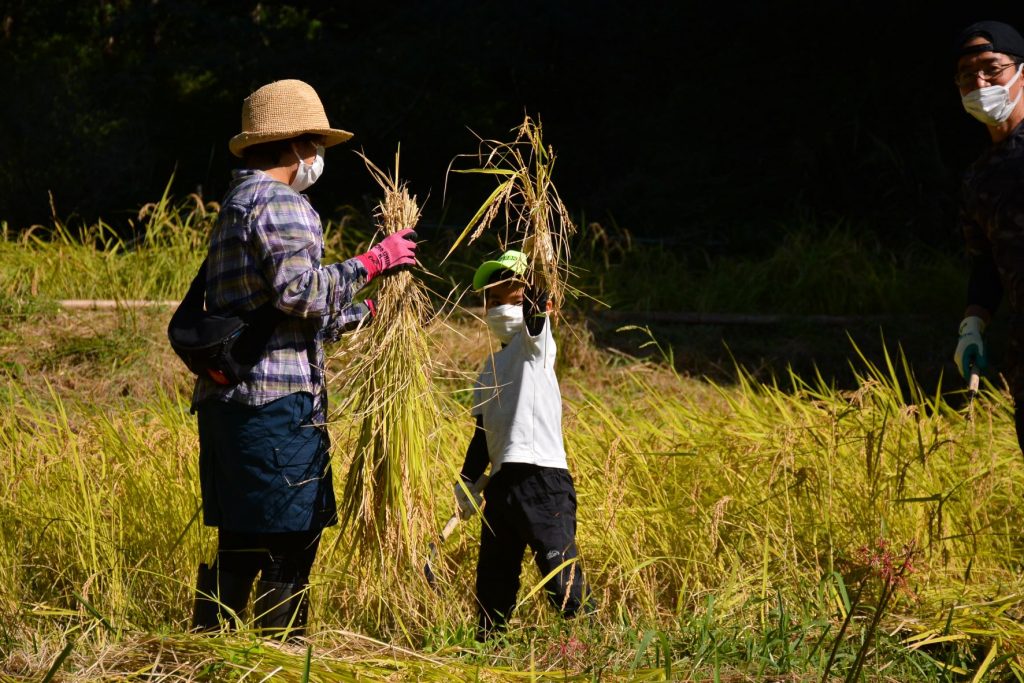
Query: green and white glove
{"points": [[970, 349], [468, 506]]}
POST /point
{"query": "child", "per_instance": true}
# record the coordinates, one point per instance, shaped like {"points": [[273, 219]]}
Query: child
{"points": [[530, 497]]}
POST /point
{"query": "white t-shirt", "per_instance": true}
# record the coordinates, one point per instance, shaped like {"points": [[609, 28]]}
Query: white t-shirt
{"points": [[517, 394]]}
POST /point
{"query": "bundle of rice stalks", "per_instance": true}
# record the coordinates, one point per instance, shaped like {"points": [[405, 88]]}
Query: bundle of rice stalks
{"points": [[386, 508], [527, 204]]}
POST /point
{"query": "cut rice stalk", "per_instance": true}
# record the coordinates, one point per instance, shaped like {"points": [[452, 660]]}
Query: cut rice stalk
{"points": [[386, 508], [536, 220]]}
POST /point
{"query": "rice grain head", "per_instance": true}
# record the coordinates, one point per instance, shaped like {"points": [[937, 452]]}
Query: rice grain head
{"points": [[526, 202]]}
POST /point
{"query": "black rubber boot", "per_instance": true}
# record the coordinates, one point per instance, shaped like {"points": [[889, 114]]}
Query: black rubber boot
{"points": [[220, 597], [281, 609]]}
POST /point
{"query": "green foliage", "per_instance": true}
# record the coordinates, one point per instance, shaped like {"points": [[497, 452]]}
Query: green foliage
{"points": [[93, 262], [812, 270]]}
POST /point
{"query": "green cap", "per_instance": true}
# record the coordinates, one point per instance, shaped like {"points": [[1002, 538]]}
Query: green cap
{"points": [[514, 261]]}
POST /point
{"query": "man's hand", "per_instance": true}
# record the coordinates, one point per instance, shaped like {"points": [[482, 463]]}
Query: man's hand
{"points": [[970, 349], [393, 251], [468, 506]]}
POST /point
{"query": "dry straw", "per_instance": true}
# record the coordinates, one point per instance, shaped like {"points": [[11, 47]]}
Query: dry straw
{"points": [[526, 203], [386, 508]]}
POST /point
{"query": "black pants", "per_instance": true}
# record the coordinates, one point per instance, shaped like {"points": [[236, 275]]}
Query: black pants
{"points": [[530, 506], [1018, 419], [283, 561], [1014, 372], [285, 557]]}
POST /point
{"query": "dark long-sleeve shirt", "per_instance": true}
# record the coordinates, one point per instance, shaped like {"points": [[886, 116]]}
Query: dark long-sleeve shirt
{"points": [[992, 220], [477, 458]]}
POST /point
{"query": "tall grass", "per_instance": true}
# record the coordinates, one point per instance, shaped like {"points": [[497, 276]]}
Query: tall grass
{"points": [[723, 525], [156, 262], [828, 270]]}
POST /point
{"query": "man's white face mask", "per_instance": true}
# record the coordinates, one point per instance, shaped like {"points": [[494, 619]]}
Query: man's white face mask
{"points": [[505, 321], [309, 173], [991, 105]]}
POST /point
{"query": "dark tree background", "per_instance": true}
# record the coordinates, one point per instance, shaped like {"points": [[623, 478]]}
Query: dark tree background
{"points": [[713, 125]]}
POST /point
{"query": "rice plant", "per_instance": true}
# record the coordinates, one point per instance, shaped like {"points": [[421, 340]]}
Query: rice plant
{"points": [[526, 205], [723, 523], [722, 526], [156, 261], [386, 507]]}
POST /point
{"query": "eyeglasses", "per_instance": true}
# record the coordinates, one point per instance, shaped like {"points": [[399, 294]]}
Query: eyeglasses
{"points": [[965, 79]]}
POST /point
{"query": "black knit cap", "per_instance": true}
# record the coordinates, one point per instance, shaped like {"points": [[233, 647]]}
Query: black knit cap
{"points": [[1001, 38]]}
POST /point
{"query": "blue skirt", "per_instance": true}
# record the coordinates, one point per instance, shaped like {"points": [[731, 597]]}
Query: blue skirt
{"points": [[265, 468]]}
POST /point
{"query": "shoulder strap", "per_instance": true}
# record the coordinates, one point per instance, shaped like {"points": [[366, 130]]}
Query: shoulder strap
{"points": [[196, 295]]}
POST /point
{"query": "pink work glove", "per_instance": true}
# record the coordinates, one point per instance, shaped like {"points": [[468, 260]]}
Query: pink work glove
{"points": [[393, 251]]}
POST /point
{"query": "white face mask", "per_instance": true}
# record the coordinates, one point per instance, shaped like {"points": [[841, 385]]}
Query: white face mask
{"points": [[991, 105], [309, 173], [505, 321]]}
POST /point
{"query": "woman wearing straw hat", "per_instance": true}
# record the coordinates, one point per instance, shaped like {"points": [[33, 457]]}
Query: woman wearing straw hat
{"points": [[264, 464]]}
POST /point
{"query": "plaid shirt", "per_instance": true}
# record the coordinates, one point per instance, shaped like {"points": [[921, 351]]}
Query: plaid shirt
{"points": [[267, 246]]}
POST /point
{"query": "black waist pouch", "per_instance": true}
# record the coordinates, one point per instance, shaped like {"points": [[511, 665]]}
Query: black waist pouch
{"points": [[224, 348]]}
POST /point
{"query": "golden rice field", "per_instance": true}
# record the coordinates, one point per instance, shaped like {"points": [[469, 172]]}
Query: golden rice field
{"points": [[737, 531]]}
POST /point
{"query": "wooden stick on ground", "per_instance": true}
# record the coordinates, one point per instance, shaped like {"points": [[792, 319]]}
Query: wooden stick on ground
{"points": [[103, 304]]}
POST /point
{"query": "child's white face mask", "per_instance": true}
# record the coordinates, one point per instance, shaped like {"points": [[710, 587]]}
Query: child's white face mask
{"points": [[505, 321]]}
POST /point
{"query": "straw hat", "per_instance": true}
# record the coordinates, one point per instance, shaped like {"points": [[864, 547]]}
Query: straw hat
{"points": [[282, 110]]}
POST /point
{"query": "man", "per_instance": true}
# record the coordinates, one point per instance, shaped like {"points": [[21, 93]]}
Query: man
{"points": [[989, 57], [264, 462]]}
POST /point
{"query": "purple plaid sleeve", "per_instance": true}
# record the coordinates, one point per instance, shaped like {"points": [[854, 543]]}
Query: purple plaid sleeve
{"points": [[346, 320], [289, 241]]}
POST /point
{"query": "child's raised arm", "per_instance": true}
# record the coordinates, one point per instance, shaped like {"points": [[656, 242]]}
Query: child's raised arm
{"points": [[536, 304]]}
